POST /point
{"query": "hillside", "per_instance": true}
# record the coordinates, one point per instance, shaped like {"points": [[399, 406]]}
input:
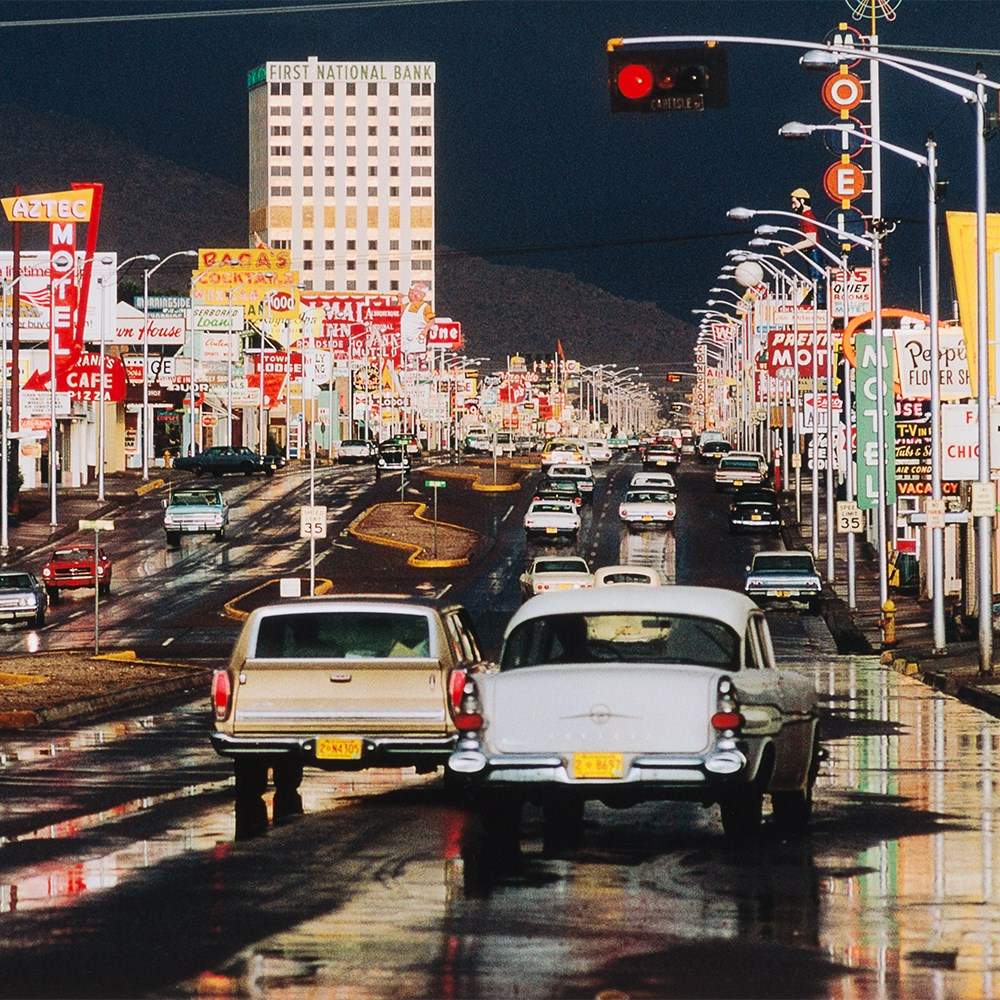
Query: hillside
{"points": [[154, 205]]}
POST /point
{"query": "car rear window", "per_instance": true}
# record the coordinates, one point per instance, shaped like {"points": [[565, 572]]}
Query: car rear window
{"points": [[342, 635], [783, 564], [648, 496], [561, 566], [552, 507], [621, 638], [626, 578], [739, 463]]}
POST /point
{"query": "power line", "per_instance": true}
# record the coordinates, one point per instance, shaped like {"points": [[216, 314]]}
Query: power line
{"points": [[189, 15]]}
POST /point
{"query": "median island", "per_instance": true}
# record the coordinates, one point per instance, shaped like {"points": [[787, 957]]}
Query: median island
{"points": [[409, 526]]}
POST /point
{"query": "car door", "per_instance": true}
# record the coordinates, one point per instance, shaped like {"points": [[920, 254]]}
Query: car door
{"points": [[759, 688]]}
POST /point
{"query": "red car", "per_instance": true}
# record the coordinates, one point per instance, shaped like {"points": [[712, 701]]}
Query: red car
{"points": [[69, 569]]}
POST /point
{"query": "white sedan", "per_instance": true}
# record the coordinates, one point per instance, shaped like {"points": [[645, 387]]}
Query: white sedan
{"points": [[664, 479], [627, 694], [616, 576], [648, 507], [599, 451], [549, 573], [552, 519]]}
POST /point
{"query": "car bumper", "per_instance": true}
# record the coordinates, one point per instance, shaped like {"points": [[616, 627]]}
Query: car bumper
{"points": [[784, 596], [551, 532], [766, 524], [71, 583], [17, 614], [194, 527], [638, 522], [376, 751]]}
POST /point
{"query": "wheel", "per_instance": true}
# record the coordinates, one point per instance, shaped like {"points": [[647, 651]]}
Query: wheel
{"points": [[53, 593], [197, 470], [562, 826], [220, 534], [247, 469], [268, 471], [104, 589], [288, 775], [173, 539], [814, 606], [501, 825], [251, 778], [741, 812], [792, 810], [40, 618]]}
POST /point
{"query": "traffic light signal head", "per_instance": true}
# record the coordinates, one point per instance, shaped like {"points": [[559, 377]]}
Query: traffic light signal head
{"points": [[673, 376], [687, 79]]}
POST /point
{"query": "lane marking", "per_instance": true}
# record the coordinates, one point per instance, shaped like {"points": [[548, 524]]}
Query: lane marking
{"points": [[166, 642], [509, 509], [76, 614], [444, 590]]}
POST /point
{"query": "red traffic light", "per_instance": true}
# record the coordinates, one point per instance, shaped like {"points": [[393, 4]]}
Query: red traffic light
{"points": [[673, 376], [635, 81]]}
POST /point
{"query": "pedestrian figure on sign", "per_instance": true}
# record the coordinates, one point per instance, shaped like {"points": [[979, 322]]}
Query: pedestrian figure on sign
{"points": [[809, 244]]}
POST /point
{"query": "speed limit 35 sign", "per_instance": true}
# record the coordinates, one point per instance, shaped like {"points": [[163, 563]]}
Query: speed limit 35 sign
{"points": [[312, 522], [850, 519]]}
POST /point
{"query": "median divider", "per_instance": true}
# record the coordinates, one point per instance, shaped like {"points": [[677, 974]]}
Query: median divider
{"points": [[384, 518], [476, 480], [231, 609]]}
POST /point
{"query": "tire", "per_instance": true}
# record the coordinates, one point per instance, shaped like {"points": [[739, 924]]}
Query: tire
{"points": [[40, 618], [53, 593], [501, 825], [251, 778], [741, 812], [268, 471], [815, 606], [220, 534], [104, 589], [247, 469], [288, 776], [174, 539]]}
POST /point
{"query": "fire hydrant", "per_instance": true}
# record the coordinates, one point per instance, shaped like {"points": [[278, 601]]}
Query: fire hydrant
{"points": [[889, 623]]}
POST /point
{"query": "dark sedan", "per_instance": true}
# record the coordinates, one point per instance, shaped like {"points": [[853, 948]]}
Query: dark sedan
{"points": [[754, 508]]}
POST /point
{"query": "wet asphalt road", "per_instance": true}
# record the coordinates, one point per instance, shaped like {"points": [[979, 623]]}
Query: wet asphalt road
{"points": [[125, 870]]}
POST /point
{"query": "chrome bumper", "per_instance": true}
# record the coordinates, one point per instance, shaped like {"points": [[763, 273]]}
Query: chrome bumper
{"points": [[376, 751]]}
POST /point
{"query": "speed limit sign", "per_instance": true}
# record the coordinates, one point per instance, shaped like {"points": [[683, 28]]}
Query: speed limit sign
{"points": [[312, 522], [850, 520]]}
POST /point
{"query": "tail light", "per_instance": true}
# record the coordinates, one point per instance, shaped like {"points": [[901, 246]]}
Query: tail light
{"points": [[222, 693], [727, 717], [727, 720], [621, 511], [456, 686], [468, 718]]}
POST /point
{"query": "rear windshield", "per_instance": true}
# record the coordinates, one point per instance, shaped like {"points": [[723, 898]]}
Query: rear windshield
{"points": [[561, 566], [342, 635], [622, 638], [648, 496], [783, 564], [739, 463], [354, 444], [542, 507], [626, 578]]}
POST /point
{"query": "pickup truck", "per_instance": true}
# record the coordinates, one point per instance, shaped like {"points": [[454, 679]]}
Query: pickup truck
{"points": [[342, 684], [194, 511], [223, 458]]}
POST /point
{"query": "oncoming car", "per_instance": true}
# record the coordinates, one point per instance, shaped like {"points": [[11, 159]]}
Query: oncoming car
{"points": [[629, 694]]}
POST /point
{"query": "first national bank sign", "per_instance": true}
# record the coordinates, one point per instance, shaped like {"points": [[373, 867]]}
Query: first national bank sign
{"points": [[315, 71]]}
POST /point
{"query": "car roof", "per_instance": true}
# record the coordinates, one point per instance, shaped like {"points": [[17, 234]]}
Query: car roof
{"points": [[784, 552], [727, 606], [539, 559], [606, 571]]}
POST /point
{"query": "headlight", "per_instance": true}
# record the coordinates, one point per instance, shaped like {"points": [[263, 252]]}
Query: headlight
{"points": [[46, 571], [26, 602]]}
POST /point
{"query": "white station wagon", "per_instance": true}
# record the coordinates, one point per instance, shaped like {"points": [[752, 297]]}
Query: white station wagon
{"points": [[625, 694]]}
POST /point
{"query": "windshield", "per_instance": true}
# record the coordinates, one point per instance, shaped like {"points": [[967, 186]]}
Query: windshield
{"points": [[15, 581], [561, 566], [739, 463], [552, 508], [621, 638], [73, 555], [783, 564], [194, 497], [342, 635], [352, 443], [648, 496]]}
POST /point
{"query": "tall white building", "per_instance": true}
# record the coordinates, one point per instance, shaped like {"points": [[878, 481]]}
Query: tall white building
{"points": [[342, 170]]}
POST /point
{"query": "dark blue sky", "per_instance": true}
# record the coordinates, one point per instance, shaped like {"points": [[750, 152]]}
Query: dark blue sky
{"points": [[528, 152]]}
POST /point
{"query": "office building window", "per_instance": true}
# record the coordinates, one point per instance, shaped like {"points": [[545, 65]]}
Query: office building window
{"points": [[307, 109], [350, 111], [352, 286], [393, 192], [307, 130], [330, 150], [420, 245], [307, 171], [352, 265], [307, 192], [351, 130], [306, 245], [281, 130], [328, 244], [329, 191], [280, 191], [307, 89], [393, 286], [352, 171], [373, 265], [373, 244], [425, 89], [328, 170], [393, 89], [329, 286], [307, 151], [281, 150], [372, 286], [352, 89], [373, 150], [393, 244], [393, 265], [352, 150], [372, 192], [352, 191], [372, 89], [328, 89], [372, 130], [307, 265], [420, 130], [281, 171], [414, 89], [328, 130], [393, 171], [373, 171]]}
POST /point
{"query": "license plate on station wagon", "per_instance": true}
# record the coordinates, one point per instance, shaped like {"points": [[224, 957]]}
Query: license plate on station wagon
{"points": [[550, 531], [598, 765], [755, 517], [779, 593], [328, 748]]}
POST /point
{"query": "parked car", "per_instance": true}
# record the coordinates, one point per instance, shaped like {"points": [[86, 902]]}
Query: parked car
{"points": [[620, 443], [552, 519], [647, 507], [355, 450], [194, 511], [661, 456], [662, 479], [784, 578], [669, 435], [581, 474], [627, 694], [556, 573], [342, 684], [22, 598], [76, 567], [614, 576], [755, 508], [224, 459], [740, 468], [391, 458]]}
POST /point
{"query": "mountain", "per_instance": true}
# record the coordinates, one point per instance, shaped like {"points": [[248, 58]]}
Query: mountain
{"points": [[153, 205]]}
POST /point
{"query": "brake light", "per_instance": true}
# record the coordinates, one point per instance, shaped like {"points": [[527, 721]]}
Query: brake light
{"points": [[727, 720], [456, 686], [621, 511], [222, 691], [467, 722]]}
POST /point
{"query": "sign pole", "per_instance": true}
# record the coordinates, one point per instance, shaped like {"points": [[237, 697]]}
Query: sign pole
{"points": [[97, 591], [435, 522]]}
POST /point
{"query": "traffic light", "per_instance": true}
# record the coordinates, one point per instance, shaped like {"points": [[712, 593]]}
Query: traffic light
{"points": [[687, 79], [673, 376]]}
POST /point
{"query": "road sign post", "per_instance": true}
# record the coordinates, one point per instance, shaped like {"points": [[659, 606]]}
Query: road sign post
{"points": [[435, 485], [97, 527], [312, 525]]}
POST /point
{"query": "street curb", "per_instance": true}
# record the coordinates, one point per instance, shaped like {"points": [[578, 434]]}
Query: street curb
{"points": [[940, 680], [230, 610], [84, 709], [415, 559], [478, 485]]}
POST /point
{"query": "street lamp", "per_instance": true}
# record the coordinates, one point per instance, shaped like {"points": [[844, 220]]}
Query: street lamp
{"points": [[146, 274]]}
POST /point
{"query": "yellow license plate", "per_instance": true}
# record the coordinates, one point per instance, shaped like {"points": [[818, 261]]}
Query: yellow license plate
{"points": [[738, 482], [598, 765], [328, 748], [662, 461], [779, 593], [647, 517], [755, 517], [564, 586], [550, 531]]}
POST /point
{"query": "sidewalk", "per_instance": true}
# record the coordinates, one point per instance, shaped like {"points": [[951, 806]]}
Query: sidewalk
{"points": [[954, 672], [31, 528]]}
